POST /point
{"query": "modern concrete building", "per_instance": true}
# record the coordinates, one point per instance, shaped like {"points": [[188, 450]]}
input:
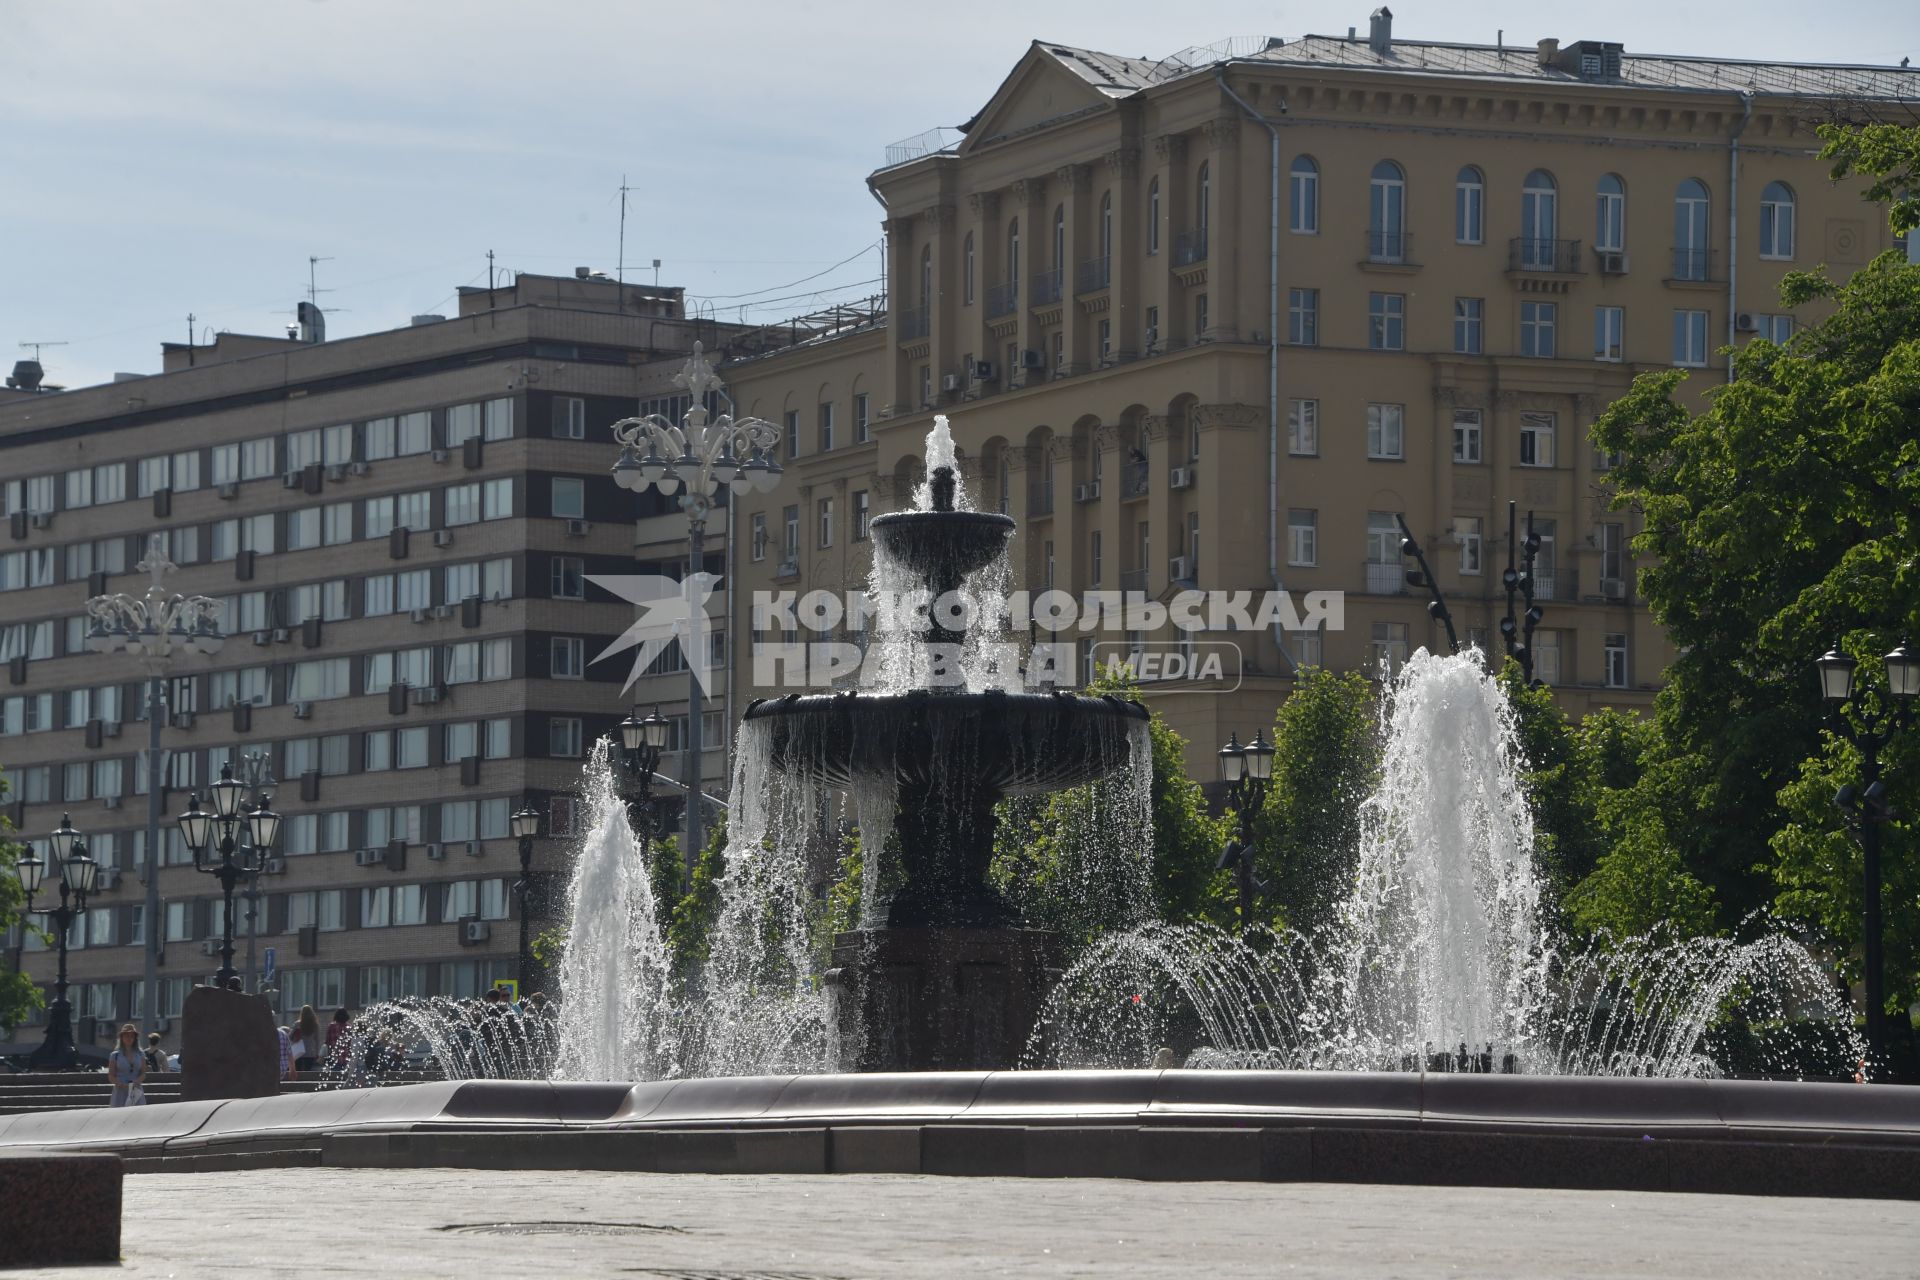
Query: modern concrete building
{"points": [[400, 527], [1217, 320]]}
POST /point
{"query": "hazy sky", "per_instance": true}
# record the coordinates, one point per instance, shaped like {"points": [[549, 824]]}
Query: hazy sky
{"points": [[162, 158]]}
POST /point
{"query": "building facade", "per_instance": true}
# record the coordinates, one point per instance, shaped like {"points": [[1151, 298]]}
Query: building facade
{"points": [[1219, 321], [400, 528]]}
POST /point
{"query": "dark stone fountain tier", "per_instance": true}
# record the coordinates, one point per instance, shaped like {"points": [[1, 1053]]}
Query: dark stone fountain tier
{"points": [[935, 999]]}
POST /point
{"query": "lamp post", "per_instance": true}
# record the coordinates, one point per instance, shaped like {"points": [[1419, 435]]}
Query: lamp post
{"points": [[641, 742], [1865, 809], [78, 876], [237, 859], [1247, 771], [700, 455], [153, 626], [1517, 632], [525, 825]]}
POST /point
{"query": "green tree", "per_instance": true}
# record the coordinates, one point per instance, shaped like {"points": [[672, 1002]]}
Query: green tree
{"points": [[1638, 882], [690, 923], [1889, 154], [18, 995], [1326, 761]]}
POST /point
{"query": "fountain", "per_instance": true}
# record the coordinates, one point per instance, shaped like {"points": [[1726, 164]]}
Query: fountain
{"points": [[940, 975]]}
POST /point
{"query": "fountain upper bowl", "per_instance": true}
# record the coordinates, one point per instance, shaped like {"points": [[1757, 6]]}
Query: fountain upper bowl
{"points": [[943, 545]]}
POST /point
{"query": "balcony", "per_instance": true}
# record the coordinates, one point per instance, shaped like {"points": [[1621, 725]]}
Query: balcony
{"points": [[1387, 578], [1550, 583], [1133, 580], [1691, 266], [1040, 500], [1190, 247], [1002, 299], [1046, 287], [914, 323], [1133, 479], [1389, 248], [1547, 257], [1093, 275]]}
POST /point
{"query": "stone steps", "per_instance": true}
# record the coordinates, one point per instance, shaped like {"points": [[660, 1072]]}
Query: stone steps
{"points": [[25, 1094]]}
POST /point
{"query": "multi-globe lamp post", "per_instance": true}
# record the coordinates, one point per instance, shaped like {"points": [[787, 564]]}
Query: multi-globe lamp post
{"points": [[524, 825], [641, 742], [154, 626], [696, 459], [218, 834], [78, 875], [1247, 771], [1865, 809]]}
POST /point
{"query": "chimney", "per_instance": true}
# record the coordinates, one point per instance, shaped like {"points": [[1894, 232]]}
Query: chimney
{"points": [[1549, 50], [1380, 31]]}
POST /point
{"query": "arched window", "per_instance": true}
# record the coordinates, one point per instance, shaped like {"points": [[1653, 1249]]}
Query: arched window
{"points": [[1539, 221], [1469, 206], [1303, 196], [1387, 214], [1106, 225], [1690, 242], [1776, 221], [926, 276], [966, 269], [1610, 215], [1153, 216], [1013, 251]]}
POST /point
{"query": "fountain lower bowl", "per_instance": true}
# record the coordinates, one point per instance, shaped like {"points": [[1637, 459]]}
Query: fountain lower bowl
{"points": [[1010, 743]]}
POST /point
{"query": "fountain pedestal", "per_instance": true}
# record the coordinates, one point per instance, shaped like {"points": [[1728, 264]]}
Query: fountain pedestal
{"points": [[935, 999]]}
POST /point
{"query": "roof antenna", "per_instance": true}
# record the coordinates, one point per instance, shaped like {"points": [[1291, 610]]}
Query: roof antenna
{"points": [[620, 267], [189, 339]]}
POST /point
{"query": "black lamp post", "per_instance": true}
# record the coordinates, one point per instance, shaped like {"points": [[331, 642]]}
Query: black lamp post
{"points": [[525, 825], [237, 860], [1865, 808], [1516, 631], [78, 876], [1246, 771], [641, 742]]}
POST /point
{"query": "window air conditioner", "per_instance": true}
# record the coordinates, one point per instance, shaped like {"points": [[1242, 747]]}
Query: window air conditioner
{"points": [[1746, 322], [337, 471], [477, 931], [1613, 264], [950, 383], [1182, 478], [1613, 588], [1031, 359], [443, 537], [983, 371], [577, 528], [301, 710], [369, 857], [436, 852], [229, 490], [439, 455], [1179, 568]]}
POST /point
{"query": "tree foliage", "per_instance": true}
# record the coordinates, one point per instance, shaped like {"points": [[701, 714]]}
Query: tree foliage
{"points": [[1889, 154], [18, 995]]}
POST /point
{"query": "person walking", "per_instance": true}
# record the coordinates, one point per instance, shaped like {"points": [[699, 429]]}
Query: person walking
{"points": [[336, 1032], [286, 1054], [306, 1039], [156, 1056], [127, 1069]]}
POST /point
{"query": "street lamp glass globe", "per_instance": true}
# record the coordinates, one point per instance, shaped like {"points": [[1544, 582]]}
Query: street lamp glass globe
{"points": [[653, 466], [626, 472], [196, 825], [1903, 673], [1233, 760], [80, 871], [263, 826], [99, 639], [771, 476], [669, 484], [525, 823], [61, 838], [633, 731], [30, 870], [1836, 675], [746, 477], [227, 792], [655, 728], [1259, 758], [725, 465]]}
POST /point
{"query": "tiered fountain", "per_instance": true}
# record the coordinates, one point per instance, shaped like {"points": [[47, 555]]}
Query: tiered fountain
{"points": [[941, 976]]}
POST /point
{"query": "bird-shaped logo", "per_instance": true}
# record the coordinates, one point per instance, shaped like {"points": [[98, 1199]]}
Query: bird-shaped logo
{"points": [[669, 610]]}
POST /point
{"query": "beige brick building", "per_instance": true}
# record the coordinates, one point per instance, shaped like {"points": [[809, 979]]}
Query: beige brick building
{"points": [[1216, 320], [400, 526]]}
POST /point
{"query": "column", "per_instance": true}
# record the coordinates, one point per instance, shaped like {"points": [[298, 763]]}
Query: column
{"points": [[1223, 237], [1077, 346], [1030, 200], [945, 341], [1176, 213], [1129, 251], [990, 267], [903, 283], [1159, 450]]}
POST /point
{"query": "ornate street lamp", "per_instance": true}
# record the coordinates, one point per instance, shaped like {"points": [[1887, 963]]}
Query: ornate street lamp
{"points": [[155, 626], [220, 832], [1865, 809], [1247, 771], [700, 455], [1517, 631], [641, 744], [525, 825], [79, 874]]}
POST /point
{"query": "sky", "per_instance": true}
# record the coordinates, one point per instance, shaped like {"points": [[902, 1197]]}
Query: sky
{"points": [[158, 160]]}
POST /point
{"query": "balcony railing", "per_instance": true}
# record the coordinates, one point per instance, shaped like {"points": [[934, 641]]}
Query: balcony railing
{"points": [[1386, 579], [1692, 264], [1040, 500], [1046, 287], [1529, 253], [1133, 479], [1093, 275], [915, 322], [1551, 583], [1133, 580], [1190, 247], [1002, 299], [1389, 246]]}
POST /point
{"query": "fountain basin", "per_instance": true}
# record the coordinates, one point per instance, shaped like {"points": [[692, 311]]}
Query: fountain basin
{"points": [[942, 546]]}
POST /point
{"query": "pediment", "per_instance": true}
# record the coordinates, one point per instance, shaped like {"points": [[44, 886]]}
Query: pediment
{"points": [[1038, 89]]}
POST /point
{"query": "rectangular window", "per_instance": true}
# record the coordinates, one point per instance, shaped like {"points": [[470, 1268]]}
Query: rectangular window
{"points": [[1466, 532], [376, 907], [1609, 333], [414, 511], [826, 522], [410, 748], [568, 578], [413, 433], [1537, 324], [569, 498], [1777, 329], [303, 529], [320, 680], [413, 590], [1386, 431], [1094, 558], [463, 504], [460, 582], [1613, 559], [1387, 321], [567, 657], [1615, 658], [757, 540], [79, 489], [569, 418], [1303, 428], [376, 596], [826, 426], [793, 432], [1388, 645], [1303, 536], [151, 476], [862, 421], [336, 444], [496, 579], [303, 447], [378, 519], [256, 459], [1200, 316], [1690, 338], [1469, 317], [463, 424], [379, 438], [497, 420], [862, 513], [496, 499], [226, 463], [1303, 317], [563, 737], [1536, 439], [110, 482], [1466, 435]]}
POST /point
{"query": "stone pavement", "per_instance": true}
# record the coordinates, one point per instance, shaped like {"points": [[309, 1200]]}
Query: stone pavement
{"points": [[414, 1223]]}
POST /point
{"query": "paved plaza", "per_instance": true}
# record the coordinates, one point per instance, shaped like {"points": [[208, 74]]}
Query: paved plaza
{"points": [[414, 1223]]}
